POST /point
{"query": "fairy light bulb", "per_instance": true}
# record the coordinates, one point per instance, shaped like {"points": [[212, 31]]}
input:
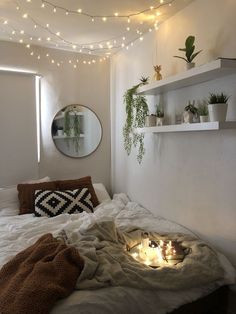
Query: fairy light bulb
{"points": [[47, 25], [39, 39], [53, 61], [58, 64], [104, 18], [35, 26], [49, 38], [13, 32], [91, 46], [151, 8], [58, 33], [141, 38], [116, 14], [75, 66], [38, 57], [47, 55], [128, 29], [21, 41], [17, 8], [123, 38], [5, 22], [122, 45], [32, 53], [28, 46], [22, 32], [92, 19], [79, 10], [74, 46], [67, 13], [54, 10], [25, 16], [128, 20], [43, 5], [161, 1]]}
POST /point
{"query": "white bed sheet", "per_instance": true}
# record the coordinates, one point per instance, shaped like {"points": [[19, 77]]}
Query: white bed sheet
{"points": [[18, 232]]}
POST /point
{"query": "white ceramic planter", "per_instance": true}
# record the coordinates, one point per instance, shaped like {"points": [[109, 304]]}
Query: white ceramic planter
{"points": [[190, 65], [217, 112], [203, 119], [159, 121], [150, 121], [60, 132]]}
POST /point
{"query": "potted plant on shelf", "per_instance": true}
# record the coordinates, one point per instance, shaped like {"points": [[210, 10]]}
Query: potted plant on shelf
{"points": [[189, 52], [217, 106], [136, 112], [189, 112], [160, 115], [203, 112]]}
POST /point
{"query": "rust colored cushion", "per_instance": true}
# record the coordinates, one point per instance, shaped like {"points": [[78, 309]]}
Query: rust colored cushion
{"points": [[26, 193], [84, 182]]}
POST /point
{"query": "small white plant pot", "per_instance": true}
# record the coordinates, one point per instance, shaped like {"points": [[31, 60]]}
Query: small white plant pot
{"points": [[190, 65], [60, 132], [187, 117], [217, 112], [203, 119], [150, 121], [159, 121]]}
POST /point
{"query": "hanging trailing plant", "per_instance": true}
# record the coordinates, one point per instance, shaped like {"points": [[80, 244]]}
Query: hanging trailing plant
{"points": [[72, 126], [136, 112]]}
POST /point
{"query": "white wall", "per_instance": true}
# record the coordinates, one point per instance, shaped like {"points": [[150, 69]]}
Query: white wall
{"points": [[60, 86], [17, 116], [189, 178]]}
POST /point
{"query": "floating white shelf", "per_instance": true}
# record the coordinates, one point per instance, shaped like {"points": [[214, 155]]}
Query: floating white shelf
{"points": [[206, 126], [62, 116], [59, 137], [197, 75]]}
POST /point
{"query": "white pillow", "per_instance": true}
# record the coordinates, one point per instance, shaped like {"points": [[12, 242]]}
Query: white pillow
{"points": [[101, 192], [9, 203]]}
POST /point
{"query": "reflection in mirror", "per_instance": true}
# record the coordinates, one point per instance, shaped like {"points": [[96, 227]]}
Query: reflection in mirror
{"points": [[76, 131]]}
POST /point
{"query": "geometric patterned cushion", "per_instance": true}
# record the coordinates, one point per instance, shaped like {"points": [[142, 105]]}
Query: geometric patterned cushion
{"points": [[52, 203]]}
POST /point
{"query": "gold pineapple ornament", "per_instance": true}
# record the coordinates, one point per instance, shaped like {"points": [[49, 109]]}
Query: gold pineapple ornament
{"points": [[157, 75]]}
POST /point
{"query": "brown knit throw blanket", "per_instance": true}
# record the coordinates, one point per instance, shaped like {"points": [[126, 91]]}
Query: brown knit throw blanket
{"points": [[37, 277]]}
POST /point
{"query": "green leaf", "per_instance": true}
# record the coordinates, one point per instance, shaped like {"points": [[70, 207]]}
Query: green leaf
{"points": [[182, 49], [181, 58], [189, 41], [194, 55], [189, 52]]}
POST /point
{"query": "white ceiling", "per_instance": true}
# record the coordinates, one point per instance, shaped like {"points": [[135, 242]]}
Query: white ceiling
{"points": [[87, 31]]}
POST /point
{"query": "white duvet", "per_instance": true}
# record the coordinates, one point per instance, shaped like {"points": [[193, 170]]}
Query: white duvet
{"points": [[18, 232]]}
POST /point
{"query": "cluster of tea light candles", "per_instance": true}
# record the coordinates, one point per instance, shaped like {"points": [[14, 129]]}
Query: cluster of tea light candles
{"points": [[152, 253]]}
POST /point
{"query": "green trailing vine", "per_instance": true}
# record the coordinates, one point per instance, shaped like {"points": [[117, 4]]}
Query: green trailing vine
{"points": [[136, 112], [72, 126]]}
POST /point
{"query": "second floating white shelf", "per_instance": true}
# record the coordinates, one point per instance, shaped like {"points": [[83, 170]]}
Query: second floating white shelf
{"points": [[206, 126]]}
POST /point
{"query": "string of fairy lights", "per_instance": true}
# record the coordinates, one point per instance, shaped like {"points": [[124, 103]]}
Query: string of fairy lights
{"points": [[105, 47]]}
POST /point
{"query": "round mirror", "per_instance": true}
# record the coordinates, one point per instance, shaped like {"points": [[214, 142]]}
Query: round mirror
{"points": [[76, 131]]}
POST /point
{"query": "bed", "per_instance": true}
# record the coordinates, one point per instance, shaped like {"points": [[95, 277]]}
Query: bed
{"points": [[134, 295]]}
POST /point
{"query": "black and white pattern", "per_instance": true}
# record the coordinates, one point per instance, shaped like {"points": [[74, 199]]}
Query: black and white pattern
{"points": [[53, 203]]}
